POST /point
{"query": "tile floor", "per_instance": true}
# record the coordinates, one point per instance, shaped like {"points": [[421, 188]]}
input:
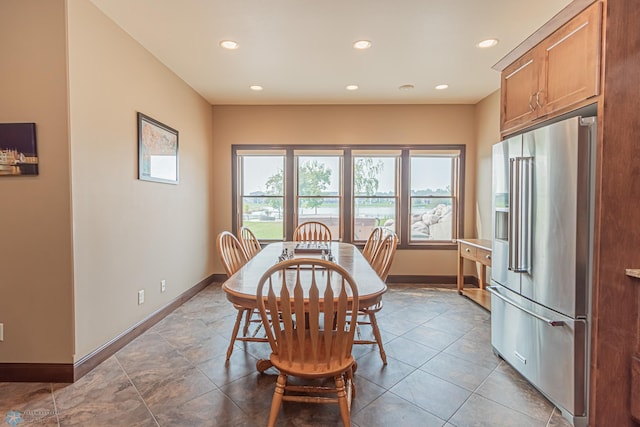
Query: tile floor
{"points": [[441, 372]]}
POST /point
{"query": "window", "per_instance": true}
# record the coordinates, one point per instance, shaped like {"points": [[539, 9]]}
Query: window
{"points": [[375, 196], [262, 194], [415, 191], [319, 186], [432, 196]]}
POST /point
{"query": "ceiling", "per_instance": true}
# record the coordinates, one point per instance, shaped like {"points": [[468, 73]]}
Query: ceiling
{"points": [[300, 51]]}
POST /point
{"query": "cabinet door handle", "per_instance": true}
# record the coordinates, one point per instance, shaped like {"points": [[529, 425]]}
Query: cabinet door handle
{"points": [[538, 98], [531, 106]]}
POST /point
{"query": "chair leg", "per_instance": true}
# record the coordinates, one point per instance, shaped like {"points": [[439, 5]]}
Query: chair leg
{"points": [[351, 383], [376, 333], [277, 399], [247, 320], [234, 334], [342, 401]]}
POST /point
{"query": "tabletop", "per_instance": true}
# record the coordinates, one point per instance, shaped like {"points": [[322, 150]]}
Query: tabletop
{"points": [[241, 287]]}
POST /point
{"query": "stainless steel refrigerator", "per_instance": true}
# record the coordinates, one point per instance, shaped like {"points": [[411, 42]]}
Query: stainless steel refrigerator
{"points": [[542, 250]]}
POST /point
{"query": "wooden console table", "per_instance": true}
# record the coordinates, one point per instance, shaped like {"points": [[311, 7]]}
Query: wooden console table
{"points": [[478, 250]]}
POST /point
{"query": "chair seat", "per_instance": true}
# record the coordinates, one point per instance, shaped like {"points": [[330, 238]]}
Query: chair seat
{"points": [[297, 367], [307, 367]]}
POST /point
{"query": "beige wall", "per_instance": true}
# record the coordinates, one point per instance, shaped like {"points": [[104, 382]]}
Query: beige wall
{"points": [[487, 134], [357, 124], [36, 288], [124, 234], [130, 234]]}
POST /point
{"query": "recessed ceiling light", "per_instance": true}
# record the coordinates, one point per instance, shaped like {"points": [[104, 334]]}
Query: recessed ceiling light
{"points": [[442, 87], [257, 88], [487, 43], [229, 44], [362, 44], [352, 87], [406, 87]]}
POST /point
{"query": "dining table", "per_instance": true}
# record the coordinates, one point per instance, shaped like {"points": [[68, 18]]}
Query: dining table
{"points": [[241, 287]]}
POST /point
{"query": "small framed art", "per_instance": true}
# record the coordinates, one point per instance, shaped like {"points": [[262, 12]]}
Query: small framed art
{"points": [[157, 151], [18, 153]]}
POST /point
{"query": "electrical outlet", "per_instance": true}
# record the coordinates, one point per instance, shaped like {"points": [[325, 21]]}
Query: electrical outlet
{"points": [[141, 297], [1, 331], [163, 285]]}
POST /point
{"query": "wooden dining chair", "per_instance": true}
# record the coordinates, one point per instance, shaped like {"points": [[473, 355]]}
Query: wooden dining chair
{"points": [[314, 338], [381, 263], [312, 231], [233, 257], [251, 246], [249, 242]]}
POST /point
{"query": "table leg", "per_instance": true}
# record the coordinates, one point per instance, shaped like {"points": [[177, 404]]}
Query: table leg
{"points": [[483, 276], [460, 273]]}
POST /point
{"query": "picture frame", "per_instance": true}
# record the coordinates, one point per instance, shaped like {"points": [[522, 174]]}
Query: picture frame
{"points": [[157, 151], [18, 151]]}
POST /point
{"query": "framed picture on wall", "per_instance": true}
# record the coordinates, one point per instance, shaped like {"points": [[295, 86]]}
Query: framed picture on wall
{"points": [[157, 151], [18, 154]]}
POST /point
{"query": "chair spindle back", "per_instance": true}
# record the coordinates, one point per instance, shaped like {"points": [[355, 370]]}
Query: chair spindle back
{"points": [[312, 231], [314, 298], [383, 256], [231, 252], [249, 242], [372, 244]]}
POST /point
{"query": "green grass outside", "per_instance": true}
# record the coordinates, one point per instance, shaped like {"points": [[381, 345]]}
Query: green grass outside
{"points": [[272, 230], [266, 229]]}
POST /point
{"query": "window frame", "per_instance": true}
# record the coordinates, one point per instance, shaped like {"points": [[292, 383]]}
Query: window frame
{"points": [[403, 208]]}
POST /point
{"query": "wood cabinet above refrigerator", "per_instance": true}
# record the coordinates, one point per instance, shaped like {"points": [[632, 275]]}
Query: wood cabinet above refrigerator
{"points": [[559, 74]]}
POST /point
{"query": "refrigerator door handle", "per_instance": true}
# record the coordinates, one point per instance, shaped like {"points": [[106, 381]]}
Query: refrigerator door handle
{"points": [[514, 213], [494, 291], [520, 205], [526, 214]]}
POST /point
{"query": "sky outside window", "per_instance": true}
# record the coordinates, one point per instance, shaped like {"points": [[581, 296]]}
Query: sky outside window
{"points": [[430, 172], [258, 169]]}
